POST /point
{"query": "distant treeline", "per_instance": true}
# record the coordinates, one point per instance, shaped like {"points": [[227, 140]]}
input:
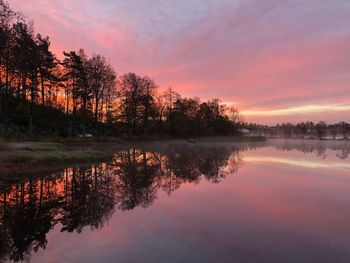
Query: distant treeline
{"points": [[42, 95], [320, 130]]}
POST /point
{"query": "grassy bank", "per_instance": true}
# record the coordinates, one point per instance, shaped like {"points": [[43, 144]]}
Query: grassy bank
{"points": [[18, 157], [141, 139], [37, 153]]}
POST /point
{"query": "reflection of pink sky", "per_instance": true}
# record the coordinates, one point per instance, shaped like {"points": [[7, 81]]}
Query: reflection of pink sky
{"points": [[259, 56], [267, 209]]}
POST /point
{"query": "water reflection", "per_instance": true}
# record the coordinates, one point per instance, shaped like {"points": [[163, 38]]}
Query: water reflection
{"points": [[342, 148], [87, 196], [80, 197], [75, 197]]}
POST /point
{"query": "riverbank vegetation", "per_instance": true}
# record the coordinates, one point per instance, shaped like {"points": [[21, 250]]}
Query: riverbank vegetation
{"points": [[38, 153], [34, 154]]}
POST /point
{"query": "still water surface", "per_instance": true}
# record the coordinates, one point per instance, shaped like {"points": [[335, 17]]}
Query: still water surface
{"points": [[280, 201]]}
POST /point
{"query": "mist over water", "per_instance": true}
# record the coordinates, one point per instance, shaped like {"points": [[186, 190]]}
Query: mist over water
{"points": [[275, 201]]}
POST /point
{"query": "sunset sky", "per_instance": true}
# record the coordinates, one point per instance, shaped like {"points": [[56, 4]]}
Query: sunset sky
{"points": [[276, 60]]}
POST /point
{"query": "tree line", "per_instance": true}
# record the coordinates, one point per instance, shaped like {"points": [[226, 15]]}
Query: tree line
{"points": [[320, 130], [42, 95]]}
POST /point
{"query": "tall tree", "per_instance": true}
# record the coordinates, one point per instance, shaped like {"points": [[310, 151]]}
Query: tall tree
{"points": [[26, 52], [47, 63], [101, 78], [76, 76], [130, 86], [171, 97], [149, 89]]}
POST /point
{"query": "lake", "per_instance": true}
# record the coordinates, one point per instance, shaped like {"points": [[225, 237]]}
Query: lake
{"points": [[275, 201]]}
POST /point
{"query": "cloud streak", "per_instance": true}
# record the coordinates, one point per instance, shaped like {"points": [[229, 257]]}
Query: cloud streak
{"points": [[307, 109]]}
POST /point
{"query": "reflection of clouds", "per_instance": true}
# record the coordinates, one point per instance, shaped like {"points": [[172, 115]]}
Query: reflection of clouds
{"points": [[298, 162], [235, 162]]}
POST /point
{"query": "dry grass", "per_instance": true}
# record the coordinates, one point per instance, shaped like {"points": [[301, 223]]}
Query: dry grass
{"points": [[45, 153]]}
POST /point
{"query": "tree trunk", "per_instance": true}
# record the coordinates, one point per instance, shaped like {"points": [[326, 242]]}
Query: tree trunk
{"points": [[96, 113], [24, 87], [84, 116], [42, 88], [3, 102], [1, 115], [31, 115], [7, 81], [145, 119], [18, 91], [31, 121], [134, 114], [31, 108]]}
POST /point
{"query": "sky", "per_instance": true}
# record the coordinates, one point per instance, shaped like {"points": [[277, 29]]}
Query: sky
{"points": [[276, 61]]}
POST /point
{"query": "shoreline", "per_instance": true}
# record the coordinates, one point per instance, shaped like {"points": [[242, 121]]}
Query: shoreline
{"points": [[45, 153], [35, 156], [40, 156]]}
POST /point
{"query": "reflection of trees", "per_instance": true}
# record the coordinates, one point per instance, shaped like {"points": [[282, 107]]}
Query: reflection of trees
{"points": [[190, 164], [135, 184], [90, 196], [27, 217], [80, 197], [318, 147], [343, 153], [75, 198]]}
